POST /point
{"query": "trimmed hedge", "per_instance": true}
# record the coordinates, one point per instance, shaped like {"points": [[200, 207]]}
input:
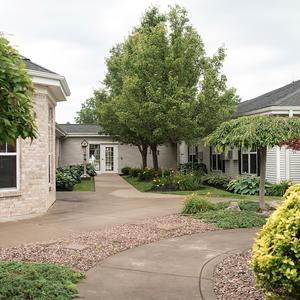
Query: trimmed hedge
{"points": [[276, 252]]}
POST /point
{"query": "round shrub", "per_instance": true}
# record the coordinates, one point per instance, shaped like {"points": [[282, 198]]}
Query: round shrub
{"points": [[276, 252], [148, 174], [126, 170], [195, 204], [134, 172], [216, 180]]}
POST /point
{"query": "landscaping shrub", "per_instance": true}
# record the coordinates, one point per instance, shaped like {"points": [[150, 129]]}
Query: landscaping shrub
{"points": [[177, 182], [64, 181], [149, 174], [197, 168], [216, 180], [195, 204], [126, 170], [90, 170], [134, 172], [228, 219], [67, 177], [31, 281], [246, 185], [276, 252], [279, 189]]}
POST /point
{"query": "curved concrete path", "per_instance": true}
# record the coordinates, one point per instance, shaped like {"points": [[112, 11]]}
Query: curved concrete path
{"points": [[173, 269], [115, 201]]}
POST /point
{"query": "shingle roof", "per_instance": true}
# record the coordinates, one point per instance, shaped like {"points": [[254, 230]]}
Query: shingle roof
{"points": [[29, 65], [288, 95], [80, 128]]}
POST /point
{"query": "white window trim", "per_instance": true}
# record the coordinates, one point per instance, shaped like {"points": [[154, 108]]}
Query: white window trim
{"points": [[17, 154], [248, 152]]}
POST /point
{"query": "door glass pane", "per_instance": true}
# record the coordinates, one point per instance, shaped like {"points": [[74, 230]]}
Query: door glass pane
{"points": [[8, 171], [109, 158], [245, 168], [94, 156], [2, 147], [253, 163]]}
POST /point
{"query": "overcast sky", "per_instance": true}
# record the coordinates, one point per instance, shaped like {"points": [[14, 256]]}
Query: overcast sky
{"points": [[73, 38]]}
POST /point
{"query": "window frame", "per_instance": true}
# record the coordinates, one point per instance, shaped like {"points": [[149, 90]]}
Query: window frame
{"points": [[193, 152], [219, 161], [17, 155], [51, 147], [249, 152]]}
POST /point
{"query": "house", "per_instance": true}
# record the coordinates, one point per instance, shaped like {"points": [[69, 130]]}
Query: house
{"points": [[282, 163], [107, 155], [27, 169]]}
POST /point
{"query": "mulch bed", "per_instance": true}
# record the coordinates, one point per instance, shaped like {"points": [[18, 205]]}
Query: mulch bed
{"points": [[234, 278], [83, 251]]}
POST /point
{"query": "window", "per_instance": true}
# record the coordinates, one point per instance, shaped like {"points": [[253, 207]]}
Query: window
{"points": [[217, 162], [50, 143], [249, 161], [8, 166], [193, 154]]}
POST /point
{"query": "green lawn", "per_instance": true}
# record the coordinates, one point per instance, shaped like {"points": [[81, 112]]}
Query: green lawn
{"points": [[86, 185], [141, 186], [20, 280], [204, 191]]}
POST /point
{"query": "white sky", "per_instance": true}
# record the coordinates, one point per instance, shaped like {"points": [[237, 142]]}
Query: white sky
{"points": [[73, 38]]}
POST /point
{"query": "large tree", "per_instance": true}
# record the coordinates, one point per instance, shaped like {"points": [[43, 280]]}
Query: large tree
{"points": [[162, 87], [87, 113], [16, 90], [261, 132]]}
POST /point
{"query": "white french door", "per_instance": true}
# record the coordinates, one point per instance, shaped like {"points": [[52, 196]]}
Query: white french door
{"points": [[109, 158]]}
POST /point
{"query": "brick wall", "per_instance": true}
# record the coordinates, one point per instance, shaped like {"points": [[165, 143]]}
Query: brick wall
{"points": [[35, 194]]}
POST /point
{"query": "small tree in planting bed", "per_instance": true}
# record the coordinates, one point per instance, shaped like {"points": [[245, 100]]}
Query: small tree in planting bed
{"points": [[261, 132]]}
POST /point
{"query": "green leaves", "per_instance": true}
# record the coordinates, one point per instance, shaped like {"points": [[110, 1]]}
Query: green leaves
{"points": [[16, 90], [254, 131]]}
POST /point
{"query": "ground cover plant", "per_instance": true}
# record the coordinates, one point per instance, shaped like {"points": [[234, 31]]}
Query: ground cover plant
{"points": [[276, 252], [33, 281], [245, 216]]}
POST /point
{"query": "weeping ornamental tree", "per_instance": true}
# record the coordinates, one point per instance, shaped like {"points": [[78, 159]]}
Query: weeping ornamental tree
{"points": [[16, 113], [261, 132]]}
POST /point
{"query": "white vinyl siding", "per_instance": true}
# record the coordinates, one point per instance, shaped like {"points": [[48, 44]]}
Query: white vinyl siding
{"points": [[295, 166], [271, 166]]}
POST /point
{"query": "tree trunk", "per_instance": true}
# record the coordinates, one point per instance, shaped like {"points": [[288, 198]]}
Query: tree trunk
{"points": [[144, 151], [154, 156], [263, 161]]}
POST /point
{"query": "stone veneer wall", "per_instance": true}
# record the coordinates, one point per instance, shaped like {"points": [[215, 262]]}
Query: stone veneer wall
{"points": [[35, 194]]}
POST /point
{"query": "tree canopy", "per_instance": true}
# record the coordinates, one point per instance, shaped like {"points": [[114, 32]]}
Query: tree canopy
{"points": [[16, 90], [160, 85], [254, 131], [260, 132]]}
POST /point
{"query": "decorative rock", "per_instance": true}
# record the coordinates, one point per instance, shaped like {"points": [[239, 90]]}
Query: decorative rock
{"points": [[233, 206], [274, 203]]}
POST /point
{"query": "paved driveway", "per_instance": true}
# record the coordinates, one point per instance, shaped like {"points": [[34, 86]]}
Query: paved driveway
{"points": [[114, 202]]}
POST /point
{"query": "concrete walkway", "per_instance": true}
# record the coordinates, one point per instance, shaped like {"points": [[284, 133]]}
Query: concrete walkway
{"points": [[114, 202], [173, 269]]}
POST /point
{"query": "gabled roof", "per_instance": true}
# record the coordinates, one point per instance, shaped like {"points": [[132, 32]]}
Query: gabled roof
{"points": [[288, 95], [80, 129], [29, 65]]}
